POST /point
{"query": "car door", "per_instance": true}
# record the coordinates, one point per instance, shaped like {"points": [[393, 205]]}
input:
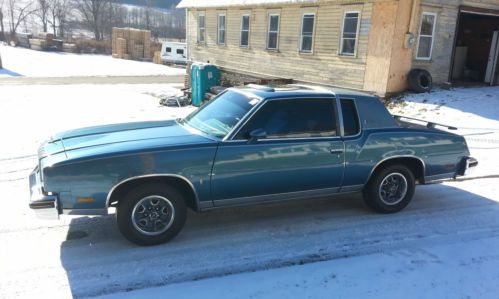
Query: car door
{"points": [[300, 153]]}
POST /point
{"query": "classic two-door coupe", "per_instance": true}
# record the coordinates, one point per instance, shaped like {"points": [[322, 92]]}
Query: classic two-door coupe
{"points": [[249, 145]]}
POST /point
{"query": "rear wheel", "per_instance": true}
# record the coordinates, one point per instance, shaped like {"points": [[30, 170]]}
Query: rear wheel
{"points": [[151, 214], [390, 189]]}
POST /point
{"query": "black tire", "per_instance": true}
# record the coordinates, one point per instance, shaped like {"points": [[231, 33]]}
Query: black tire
{"points": [[376, 195], [420, 80], [152, 226]]}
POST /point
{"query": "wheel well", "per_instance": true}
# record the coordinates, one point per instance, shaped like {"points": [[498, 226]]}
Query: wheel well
{"points": [[414, 164], [180, 184]]}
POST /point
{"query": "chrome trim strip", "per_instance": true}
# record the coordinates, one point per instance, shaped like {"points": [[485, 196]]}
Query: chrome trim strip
{"points": [[395, 157], [109, 194], [439, 177], [205, 205], [339, 116], [85, 212], [351, 188], [240, 201]]}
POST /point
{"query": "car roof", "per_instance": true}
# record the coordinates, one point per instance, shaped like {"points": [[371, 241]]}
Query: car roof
{"points": [[297, 91]]}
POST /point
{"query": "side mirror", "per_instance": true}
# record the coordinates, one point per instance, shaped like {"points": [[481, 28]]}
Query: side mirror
{"points": [[257, 134]]}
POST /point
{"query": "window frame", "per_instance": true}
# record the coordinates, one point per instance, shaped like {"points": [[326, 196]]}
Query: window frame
{"points": [[199, 35], [435, 15], [270, 15], [249, 30], [231, 137], [311, 51], [354, 54], [220, 14]]}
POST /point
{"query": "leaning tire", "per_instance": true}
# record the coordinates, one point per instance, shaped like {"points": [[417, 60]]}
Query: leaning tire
{"points": [[390, 189], [151, 214], [420, 80]]}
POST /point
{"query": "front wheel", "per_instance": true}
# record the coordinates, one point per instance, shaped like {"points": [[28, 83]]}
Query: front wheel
{"points": [[390, 189], [151, 214]]}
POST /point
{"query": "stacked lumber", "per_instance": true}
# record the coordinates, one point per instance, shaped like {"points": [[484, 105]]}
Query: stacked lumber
{"points": [[154, 47], [129, 43], [157, 57], [68, 47], [49, 37], [38, 44]]}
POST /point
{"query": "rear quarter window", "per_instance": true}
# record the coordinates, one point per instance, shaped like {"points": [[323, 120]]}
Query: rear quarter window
{"points": [[351, 122]]}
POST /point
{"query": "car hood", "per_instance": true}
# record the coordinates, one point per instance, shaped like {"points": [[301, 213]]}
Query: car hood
{"points": [[165, 133]]}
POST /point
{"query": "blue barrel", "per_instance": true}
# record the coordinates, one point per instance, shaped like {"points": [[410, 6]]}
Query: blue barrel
{"points": [[203, 77]]}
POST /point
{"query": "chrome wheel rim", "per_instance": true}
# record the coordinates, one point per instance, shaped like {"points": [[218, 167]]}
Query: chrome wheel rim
{"points": [[393, 189], [153, 215]]}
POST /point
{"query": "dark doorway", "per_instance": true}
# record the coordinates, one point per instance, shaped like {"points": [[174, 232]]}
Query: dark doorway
{"points": [[476, 47]]}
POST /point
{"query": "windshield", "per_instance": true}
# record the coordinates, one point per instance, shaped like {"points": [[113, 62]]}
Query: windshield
{"points": [[219, 116]]}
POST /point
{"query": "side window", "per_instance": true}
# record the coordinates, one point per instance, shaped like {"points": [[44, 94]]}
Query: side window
{"points": [[350, 117], [180, 51], [298, 118], [168, 50]]}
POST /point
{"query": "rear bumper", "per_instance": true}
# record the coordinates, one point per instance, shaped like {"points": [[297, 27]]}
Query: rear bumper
{"points": [[467, 165], [44, 205]]}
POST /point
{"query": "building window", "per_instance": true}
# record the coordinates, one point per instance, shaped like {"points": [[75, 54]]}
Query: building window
{"points": [[349, 33], [201, 28], [245, 30], [307, 33], [273, 32], [221, 29], [426, 34]]}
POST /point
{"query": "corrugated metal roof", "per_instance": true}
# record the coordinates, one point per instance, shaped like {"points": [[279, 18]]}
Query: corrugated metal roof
{"points": [[227, 3]]}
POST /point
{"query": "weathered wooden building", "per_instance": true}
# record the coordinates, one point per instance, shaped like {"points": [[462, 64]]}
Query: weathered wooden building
{"points": [[367, 45]]}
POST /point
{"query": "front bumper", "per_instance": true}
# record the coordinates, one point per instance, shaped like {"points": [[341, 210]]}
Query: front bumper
{"points": [[45, 205], [468, 164]]}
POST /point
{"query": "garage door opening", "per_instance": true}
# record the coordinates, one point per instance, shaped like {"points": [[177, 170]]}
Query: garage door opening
{"points": [[476, 49]]}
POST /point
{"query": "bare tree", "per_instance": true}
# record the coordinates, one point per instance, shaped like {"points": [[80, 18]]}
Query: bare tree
{"points": [[147, 11], [43, 13], [18, 12], [92, 12], [58, 14], [2, 32]]}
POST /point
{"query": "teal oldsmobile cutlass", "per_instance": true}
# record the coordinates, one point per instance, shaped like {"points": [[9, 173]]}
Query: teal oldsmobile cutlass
{"points": [[249, 145]]}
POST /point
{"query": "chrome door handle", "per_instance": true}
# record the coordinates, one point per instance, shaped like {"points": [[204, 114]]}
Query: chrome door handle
{"points": [[336, 151]]}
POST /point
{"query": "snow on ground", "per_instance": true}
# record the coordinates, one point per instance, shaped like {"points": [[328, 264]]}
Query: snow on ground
{"points": [[443, 245], [73, 106], [30, 63], [430, 272], [474, 111]]}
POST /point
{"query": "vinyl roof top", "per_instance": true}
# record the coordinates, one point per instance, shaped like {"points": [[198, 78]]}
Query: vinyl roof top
{"points": [[298, 91]]}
